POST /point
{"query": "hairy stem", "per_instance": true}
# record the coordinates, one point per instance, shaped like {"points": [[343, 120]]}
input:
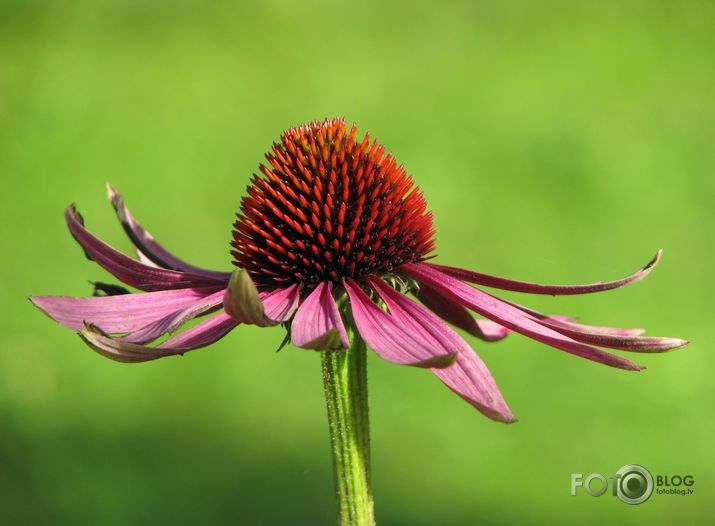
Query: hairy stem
{"points": [[345, 381]]}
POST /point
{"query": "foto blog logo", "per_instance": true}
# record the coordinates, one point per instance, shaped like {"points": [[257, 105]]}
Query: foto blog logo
{"points": [[632, 484]]}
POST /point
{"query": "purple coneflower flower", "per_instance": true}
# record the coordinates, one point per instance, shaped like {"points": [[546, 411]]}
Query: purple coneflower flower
{"points": [[332, 234]]}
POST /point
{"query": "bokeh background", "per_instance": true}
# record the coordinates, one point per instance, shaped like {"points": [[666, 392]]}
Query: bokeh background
{"points": [[555, 142]]}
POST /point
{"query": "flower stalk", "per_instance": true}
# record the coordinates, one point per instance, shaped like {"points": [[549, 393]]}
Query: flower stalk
{"points": [[345, 382]]}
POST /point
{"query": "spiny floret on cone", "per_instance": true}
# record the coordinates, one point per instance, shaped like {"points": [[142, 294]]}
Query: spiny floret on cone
{"points": [[328, 207]]}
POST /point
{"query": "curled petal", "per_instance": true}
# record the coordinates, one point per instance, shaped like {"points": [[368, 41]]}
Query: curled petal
{"points": [[468, 376], [245, 304], [458, 316], [242, 301], [149, 249], [126, 269], [317, 323], [121, 313], [388, 338], [487, 280], [509, 316], [173, 321], [201, 335]]}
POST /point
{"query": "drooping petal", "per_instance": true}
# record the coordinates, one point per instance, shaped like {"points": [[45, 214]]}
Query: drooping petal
{"points": [[149, 249], [245, 304], [610, 337], [388, 338], [508, 315], [569, 323], [624, 339], [173, 321], [121, 313], [644, 344], [487, 280], [201, 335], [595, 329], [128, 270], [468, 376], [317, 323], [458, 316]]}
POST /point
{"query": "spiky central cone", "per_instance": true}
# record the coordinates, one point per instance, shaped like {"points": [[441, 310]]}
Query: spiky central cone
{"points": [[329, 207]]}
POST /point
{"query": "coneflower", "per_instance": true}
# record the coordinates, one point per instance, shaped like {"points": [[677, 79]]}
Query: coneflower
{"points": [[331, 239]]}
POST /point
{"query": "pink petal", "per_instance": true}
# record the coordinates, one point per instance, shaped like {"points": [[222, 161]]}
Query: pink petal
{"points": [[508, 315], [280, 304], [317, 323], [388, 338], [118, 314], [611, 337], [201, 335], [595, 329], [458, 316], [245, 304], [126, 269], [172, 321], [145, 260], [568, 323], [622, 339], [533, 288], [644, 344], [149, 249], [468, 376]]}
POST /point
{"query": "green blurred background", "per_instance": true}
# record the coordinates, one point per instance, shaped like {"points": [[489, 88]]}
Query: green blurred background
{"points": [[555, 142]]}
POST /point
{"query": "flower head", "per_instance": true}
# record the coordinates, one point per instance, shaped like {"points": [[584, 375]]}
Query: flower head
{"points": [[332, 232], [329, 208]]}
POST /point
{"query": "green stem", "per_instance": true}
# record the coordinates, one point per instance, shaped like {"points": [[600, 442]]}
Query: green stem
{"points": [[345, 381]]}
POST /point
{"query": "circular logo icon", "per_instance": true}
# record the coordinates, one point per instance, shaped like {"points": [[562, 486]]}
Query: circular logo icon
{"points": [[635, 485]]}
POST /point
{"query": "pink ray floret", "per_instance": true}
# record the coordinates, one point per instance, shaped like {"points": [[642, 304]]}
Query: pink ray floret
{"points": [[331, 238]]}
